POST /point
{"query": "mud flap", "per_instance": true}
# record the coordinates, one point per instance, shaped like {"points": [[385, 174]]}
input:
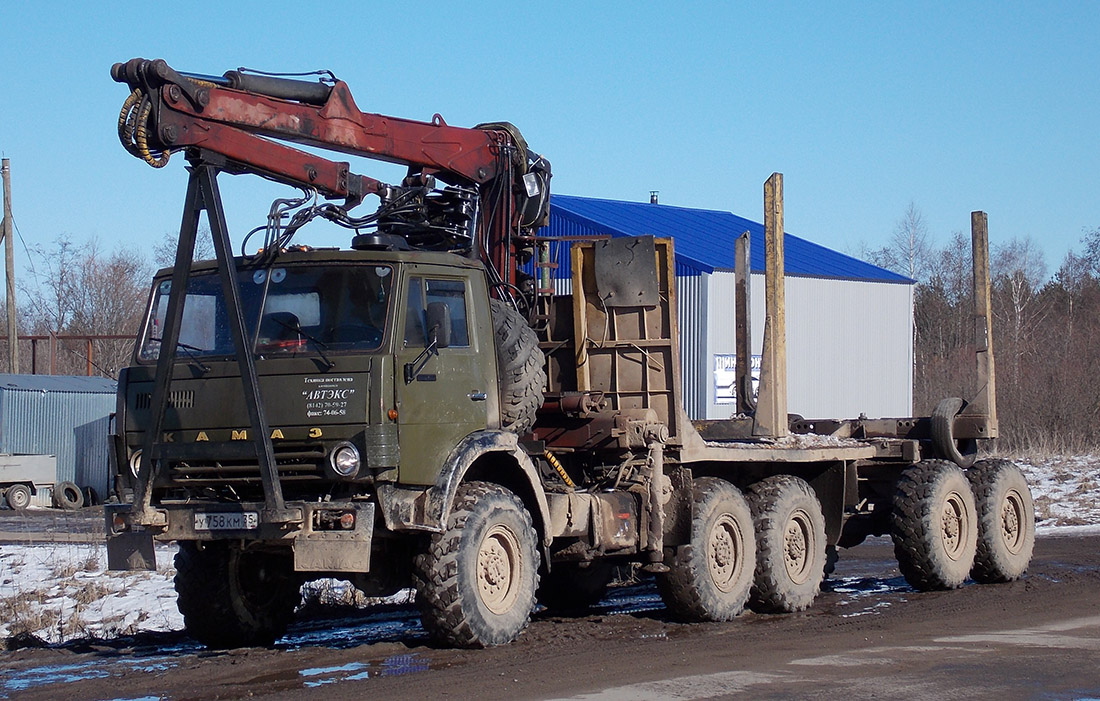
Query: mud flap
{"points": [[127, 549], [330, 550]]}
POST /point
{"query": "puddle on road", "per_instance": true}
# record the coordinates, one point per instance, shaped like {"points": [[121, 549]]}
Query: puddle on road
{"points": [[397, 625], [48, 675], [634, 598], [856, 593], [394, 666], [860, 587]]}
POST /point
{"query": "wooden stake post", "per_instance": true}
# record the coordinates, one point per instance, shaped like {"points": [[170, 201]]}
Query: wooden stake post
{"points": [[771, 411], [6, 233]]}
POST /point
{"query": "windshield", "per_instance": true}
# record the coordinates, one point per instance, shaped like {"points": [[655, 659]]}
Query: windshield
{"points": [[309, 308]]}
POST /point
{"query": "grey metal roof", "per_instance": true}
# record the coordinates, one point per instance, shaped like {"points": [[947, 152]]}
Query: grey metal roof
{"points": [[58, 383]]}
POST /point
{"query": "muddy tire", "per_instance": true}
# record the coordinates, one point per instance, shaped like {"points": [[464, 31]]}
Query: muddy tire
{"points": [[476, 581], [66, 495], [1006, 521], [570, 587], [934, 525], [709, 579], [962, 452], [790, 544], [521, 374], [233, 597], [18, 497]]}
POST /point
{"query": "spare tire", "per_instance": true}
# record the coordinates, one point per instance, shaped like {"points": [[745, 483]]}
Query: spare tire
{"points": [[961, 451], [520, 373], [66, 495]]}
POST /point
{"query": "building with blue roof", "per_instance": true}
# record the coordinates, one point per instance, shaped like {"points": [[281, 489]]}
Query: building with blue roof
{"points": [[849, 323]]}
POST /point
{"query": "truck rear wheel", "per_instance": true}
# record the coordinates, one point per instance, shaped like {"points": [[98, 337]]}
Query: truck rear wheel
{"points": [[572, 587], [18, 496], [709, 580], [520, 368], [476, 581], [1006, 521], [790, 544], [935, 525], [231, 596]]}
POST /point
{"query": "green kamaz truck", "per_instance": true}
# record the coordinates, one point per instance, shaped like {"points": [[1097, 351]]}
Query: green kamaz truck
{"points": [[421, 410]]}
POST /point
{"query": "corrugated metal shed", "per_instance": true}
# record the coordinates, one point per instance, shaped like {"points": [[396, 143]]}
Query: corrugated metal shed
{"points": [[704, 238], [60, 415]]}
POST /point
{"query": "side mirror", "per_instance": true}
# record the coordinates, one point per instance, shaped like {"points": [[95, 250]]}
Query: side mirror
{"points": [[438, 318], [439, 324]]}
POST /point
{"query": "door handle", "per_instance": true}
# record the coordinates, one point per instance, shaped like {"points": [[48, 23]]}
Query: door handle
{"points": [[477, 396]]}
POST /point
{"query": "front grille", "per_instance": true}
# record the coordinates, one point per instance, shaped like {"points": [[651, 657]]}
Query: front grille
{"points": [[177, 399], [295, 462]]}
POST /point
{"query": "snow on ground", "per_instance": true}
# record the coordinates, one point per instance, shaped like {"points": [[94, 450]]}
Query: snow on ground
{"points": [[61, 591], [1066, 491]]}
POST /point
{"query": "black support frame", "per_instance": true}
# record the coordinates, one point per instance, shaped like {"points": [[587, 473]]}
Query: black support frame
{"points": [[203, 195]]}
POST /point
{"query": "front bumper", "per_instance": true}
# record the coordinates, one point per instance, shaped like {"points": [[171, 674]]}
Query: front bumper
{"points": [[327, 537]]}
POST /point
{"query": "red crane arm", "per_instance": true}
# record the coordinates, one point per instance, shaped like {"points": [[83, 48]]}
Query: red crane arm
{"points": [[229, 115], [339, 125]]}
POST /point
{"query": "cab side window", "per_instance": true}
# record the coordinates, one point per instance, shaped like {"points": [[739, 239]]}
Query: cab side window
{"points": [[453, 294], [424, 291]]}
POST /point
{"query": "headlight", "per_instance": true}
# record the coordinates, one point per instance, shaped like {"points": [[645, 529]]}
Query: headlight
{"points": [[135, 462], [344, 460]]}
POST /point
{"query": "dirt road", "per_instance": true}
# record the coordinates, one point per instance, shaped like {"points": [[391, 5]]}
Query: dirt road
{"points": [[870, 635]]}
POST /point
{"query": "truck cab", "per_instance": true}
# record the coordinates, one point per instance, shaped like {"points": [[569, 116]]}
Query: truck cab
{"points": [[357, 386]]}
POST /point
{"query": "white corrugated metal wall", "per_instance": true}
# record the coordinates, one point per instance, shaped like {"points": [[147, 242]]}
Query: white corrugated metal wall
{"points": [[849, 345], [691, 292]]}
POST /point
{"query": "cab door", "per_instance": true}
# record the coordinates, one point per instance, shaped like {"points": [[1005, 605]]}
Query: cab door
{"points": [[447, 392]]}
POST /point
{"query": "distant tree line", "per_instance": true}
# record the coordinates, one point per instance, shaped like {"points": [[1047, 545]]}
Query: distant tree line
{"points": [[1046, 333]]}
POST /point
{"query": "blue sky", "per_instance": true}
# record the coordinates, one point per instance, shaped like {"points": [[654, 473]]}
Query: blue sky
{"points": [[863, 106]]}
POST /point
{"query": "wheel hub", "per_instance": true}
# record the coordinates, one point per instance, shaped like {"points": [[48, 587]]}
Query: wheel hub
{"points": [[953, 526], [797, 542], [1011, 517], [498, 567], [724, 550]]}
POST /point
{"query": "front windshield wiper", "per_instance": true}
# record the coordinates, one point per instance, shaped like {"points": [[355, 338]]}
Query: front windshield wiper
{"points": [[318, 344], [188, 351]]}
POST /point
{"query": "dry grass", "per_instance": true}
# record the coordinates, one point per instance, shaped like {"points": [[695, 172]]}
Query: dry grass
{"points": [[1039, 446]]}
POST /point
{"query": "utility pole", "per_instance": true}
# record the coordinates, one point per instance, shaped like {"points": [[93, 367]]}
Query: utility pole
{"points": [[7, 232]]}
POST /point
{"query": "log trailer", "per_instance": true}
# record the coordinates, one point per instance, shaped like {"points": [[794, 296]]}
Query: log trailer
{"points": [[421, 411]]}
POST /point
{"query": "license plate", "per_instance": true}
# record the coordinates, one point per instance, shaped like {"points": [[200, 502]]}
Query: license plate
{"points": [[227, 521]]}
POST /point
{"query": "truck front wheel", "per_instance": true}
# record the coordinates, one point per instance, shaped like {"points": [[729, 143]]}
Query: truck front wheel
{"points": [[476, 581], [709, 580], [232, 596], [790, 544], [935, 525]]}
